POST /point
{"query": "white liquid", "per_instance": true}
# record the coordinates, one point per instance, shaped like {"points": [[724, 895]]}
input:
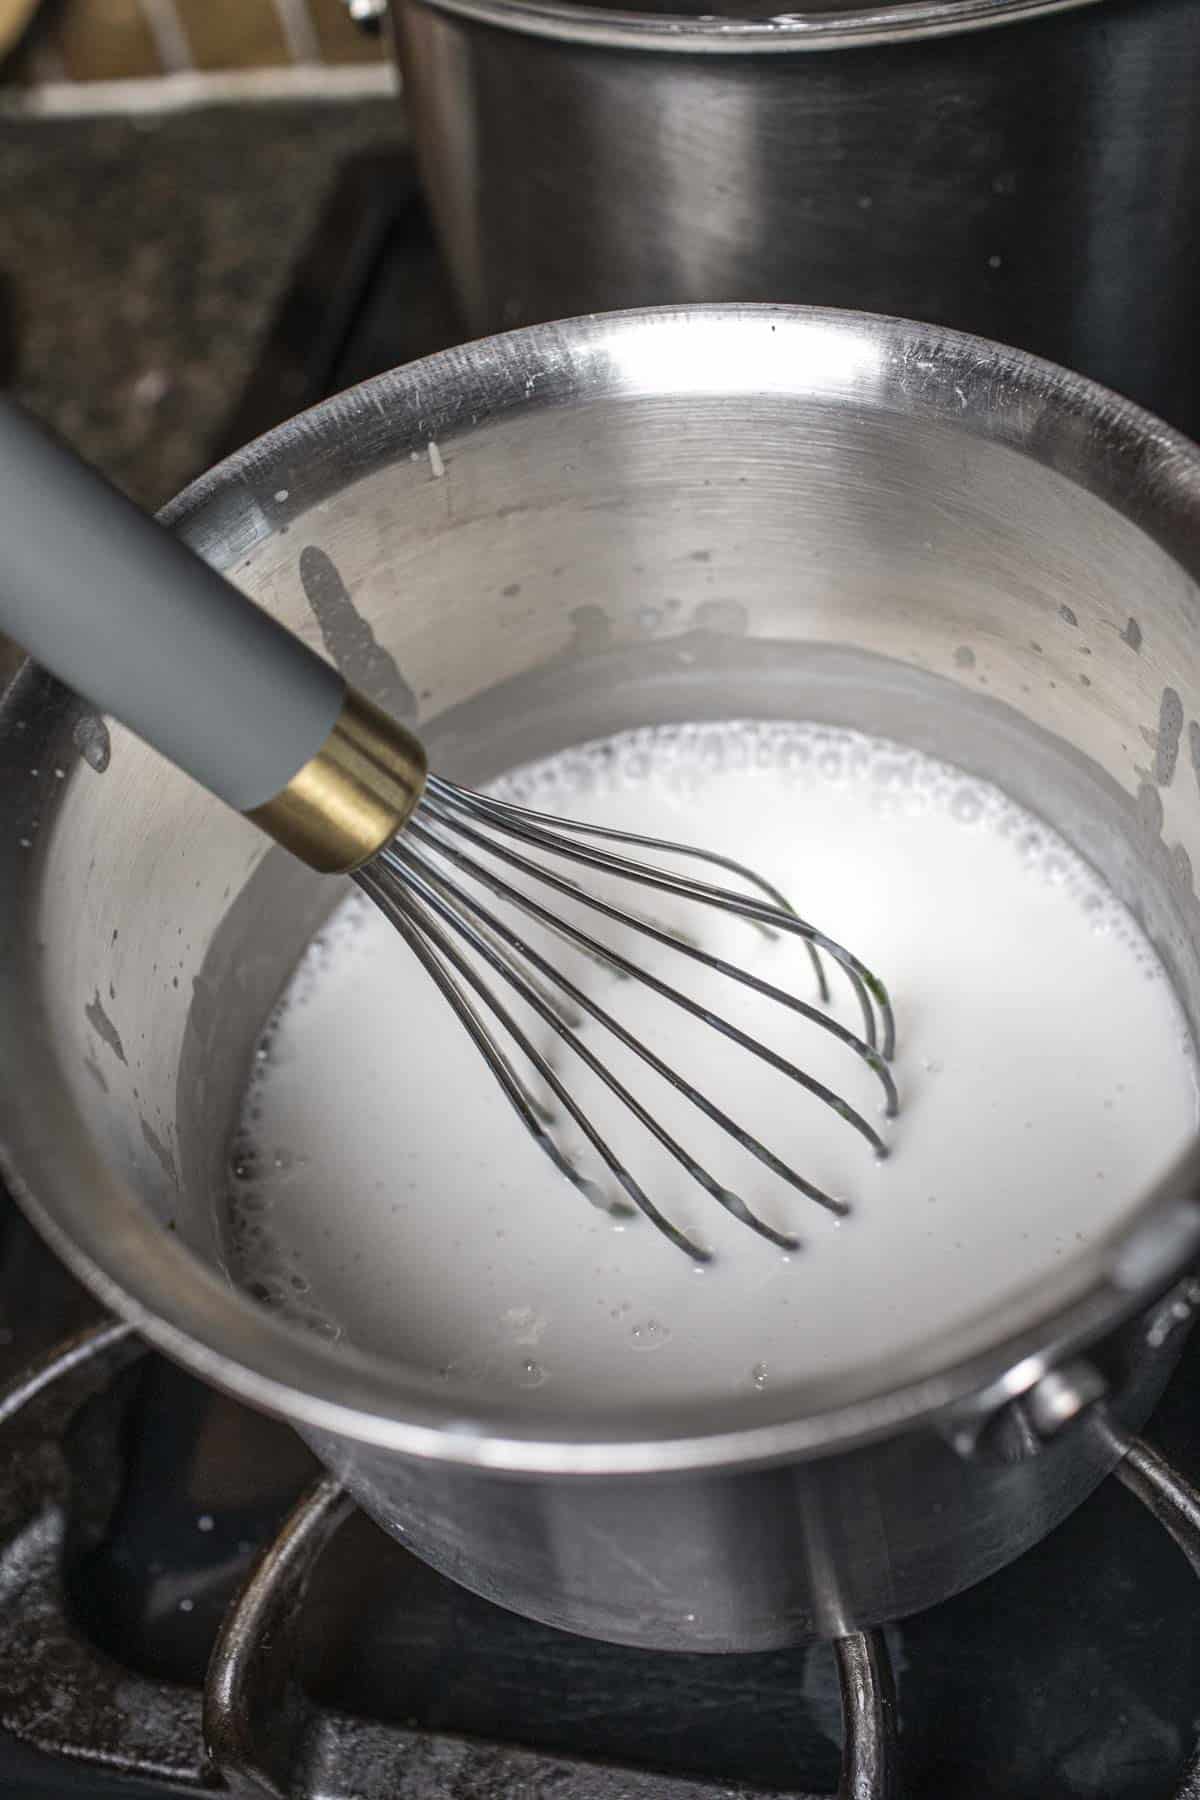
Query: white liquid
{"points": [[385, 1190]]}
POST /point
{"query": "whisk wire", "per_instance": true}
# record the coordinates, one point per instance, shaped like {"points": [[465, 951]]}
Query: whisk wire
{"points": [[866, 1050], [502, 809], [604, 952], [457, 836], [432, 946], [746, 1139], [445, 799], [414, 913], [731, 1201], [536, 1117]]}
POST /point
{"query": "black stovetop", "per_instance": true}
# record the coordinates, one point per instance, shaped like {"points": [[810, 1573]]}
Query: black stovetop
{"points": [[1073, 1675]]}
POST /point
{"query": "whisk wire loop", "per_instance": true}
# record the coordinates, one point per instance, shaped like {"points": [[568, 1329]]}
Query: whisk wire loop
{"points": [[605, 953], [559, 836], [457, 836]]}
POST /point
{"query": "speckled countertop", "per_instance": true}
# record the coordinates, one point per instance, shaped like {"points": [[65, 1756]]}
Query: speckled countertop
{"points": [[141, 261]]}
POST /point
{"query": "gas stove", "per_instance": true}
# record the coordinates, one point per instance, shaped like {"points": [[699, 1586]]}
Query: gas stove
{"points": [[188, 1605]]}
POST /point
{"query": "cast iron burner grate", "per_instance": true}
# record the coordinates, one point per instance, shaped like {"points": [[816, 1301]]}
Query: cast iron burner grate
{"points": [[252, 1731], [252, 1728], [133, 1504]]}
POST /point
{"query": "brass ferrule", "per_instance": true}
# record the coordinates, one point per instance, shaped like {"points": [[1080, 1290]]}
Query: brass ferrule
{"points": [[351, 797]]}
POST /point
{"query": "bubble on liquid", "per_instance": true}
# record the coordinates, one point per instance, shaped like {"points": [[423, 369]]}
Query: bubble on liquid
{"points": [[531, 1375], [91, 739], [758, 1376], [650, 1335], [967, 806], [893, 772]]}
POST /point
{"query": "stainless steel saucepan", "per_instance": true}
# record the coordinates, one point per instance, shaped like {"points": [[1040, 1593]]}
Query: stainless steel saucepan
{"points": [[542, 538], [1022, 168]]}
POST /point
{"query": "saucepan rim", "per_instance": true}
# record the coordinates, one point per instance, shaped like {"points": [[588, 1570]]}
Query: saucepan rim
{"points": [[107, 1235], [762, 32]]}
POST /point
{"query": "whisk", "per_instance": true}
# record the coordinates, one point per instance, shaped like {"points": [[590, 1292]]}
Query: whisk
{"points": [[134, 620]]}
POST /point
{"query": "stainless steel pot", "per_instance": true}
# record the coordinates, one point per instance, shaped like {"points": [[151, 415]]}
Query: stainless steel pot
{"points": [[1034, 183], [718, 512]]}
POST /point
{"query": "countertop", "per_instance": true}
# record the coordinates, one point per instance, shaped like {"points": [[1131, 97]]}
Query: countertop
{"points": [[141, 260]]}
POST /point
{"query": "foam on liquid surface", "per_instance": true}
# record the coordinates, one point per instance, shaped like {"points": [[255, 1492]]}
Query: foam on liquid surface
{"points": [[383, 1191]]}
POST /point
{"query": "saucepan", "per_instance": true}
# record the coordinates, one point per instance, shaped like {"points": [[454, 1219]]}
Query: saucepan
{"points": [[543, 538], [1020, 168]]}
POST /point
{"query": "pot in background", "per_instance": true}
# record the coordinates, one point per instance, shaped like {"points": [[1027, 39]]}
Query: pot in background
{"points": [[715, 512], [1034, 183]]}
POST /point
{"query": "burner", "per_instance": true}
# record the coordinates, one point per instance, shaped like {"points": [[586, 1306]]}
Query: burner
{"points": [[254, 1729], [142, 1619]]}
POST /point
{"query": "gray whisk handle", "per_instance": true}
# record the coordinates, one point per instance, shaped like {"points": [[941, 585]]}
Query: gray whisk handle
{"points": [[131, 618]]}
